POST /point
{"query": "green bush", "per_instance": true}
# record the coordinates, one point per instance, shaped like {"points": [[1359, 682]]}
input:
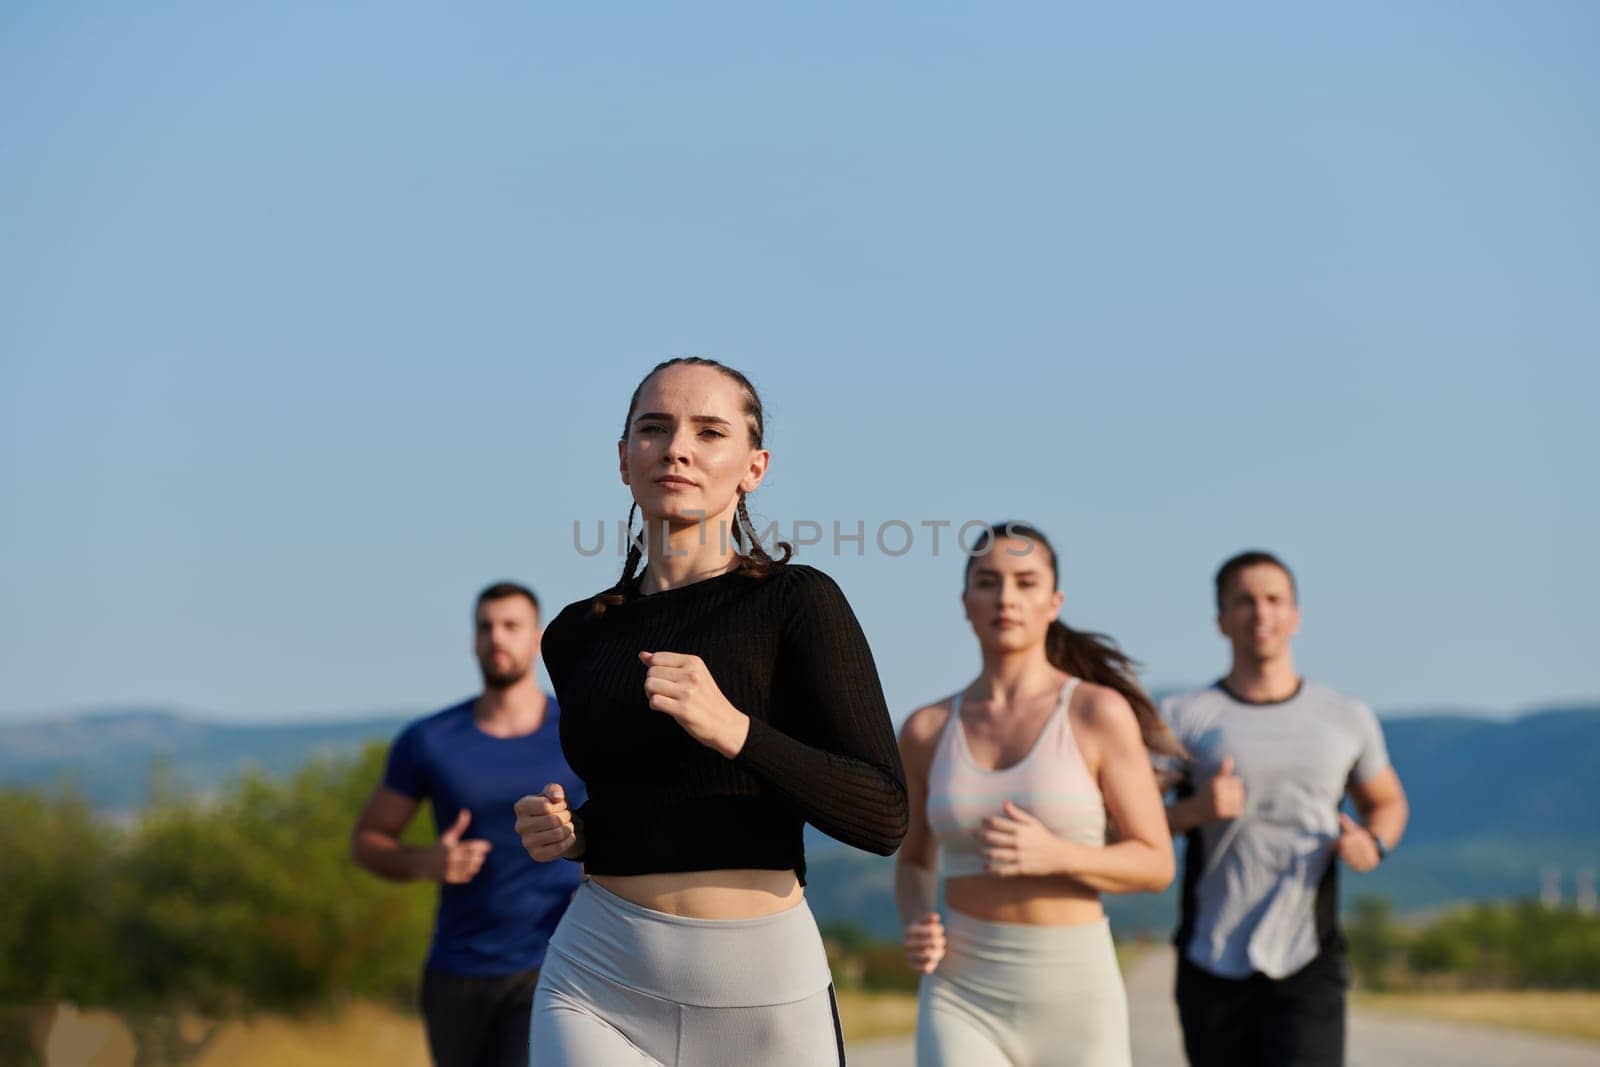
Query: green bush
{"points": [[57, 909], [1375, 945], [1522, 945], [860, 961], [247, 901]]}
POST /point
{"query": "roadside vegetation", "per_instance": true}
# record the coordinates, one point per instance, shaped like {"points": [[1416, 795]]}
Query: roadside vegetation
{"points": [[198, 922]]}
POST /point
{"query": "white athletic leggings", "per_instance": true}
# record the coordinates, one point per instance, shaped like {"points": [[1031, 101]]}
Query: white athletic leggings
{"points": [[622, 984], [1011, 995]]}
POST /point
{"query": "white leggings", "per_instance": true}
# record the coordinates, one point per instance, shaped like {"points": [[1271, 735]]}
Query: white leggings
{"points": [[622, 984], [1011, 995]]}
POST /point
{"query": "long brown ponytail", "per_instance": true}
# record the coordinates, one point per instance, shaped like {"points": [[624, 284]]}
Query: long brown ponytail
{"points": [[754, 559], [1093, 657]]}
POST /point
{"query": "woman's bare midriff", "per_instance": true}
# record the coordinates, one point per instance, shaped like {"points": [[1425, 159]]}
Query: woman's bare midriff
{"points": [[731, 894], [1029, 901]]}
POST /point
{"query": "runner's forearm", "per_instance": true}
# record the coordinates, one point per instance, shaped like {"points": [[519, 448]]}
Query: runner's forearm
{"points": [[916, 890], [385, 856]]}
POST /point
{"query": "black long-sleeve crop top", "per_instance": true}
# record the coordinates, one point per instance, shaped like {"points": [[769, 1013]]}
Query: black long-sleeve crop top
{"points": [[788, 652]]}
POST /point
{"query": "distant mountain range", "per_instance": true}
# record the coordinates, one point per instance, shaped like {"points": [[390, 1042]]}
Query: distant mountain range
{"points": [[1494, 802], [110, 756]]}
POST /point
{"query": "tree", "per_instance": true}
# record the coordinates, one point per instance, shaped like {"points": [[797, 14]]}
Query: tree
{"points": [[1374, 942], [253, 901]]}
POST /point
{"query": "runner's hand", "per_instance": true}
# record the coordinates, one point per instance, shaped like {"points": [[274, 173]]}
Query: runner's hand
{"points": [[547, 827], [925, 943], [1356, 846], [452, 860], [681, 685], [1223, 796], [1017, 843]]}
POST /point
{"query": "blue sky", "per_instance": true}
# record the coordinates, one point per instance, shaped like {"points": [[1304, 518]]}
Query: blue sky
{"points": [[313, 321]]}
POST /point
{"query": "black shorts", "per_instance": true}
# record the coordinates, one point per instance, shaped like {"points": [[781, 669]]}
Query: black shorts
{"points": [[1296, 1021], [478, 1022]]}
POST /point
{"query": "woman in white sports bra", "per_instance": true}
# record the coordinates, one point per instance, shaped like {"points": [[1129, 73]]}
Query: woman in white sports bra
{"points": [[1010, 782]]}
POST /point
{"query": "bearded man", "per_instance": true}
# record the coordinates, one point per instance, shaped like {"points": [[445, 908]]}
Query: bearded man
{"points": [[497, 907]]}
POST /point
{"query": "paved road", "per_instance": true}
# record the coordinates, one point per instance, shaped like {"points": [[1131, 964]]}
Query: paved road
{"points": [[1376, 1040]]}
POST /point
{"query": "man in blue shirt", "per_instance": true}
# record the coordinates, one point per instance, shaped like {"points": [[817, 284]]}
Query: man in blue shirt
{"points": [[497, 907]]}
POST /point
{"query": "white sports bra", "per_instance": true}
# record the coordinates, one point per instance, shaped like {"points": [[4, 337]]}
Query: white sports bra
{"points": [[1051, 782]]}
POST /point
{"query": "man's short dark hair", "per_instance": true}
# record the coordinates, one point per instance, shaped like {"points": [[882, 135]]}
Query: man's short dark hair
{"points": [[502, 590], [1254, 557]]}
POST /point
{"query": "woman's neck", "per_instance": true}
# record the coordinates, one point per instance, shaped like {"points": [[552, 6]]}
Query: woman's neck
{"points": [[1012, 676], [684, 554]]}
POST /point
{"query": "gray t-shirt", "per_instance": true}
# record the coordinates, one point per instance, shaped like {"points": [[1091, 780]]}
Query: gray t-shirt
{"points": [[1260, 891]]}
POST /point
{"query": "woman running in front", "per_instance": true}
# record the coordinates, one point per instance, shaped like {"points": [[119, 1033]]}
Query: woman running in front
{"points": [[1011, 780], [712, 703]]}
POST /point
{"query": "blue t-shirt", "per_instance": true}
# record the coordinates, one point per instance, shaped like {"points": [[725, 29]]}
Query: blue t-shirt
{"points": [[500, 922]]}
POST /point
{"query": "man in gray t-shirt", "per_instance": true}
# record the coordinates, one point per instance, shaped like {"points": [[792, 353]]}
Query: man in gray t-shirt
{"points": [[1261, 969]]}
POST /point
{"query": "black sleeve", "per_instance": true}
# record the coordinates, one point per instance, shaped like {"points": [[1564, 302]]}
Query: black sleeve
{"points": [[556, 645], [842, 767]]}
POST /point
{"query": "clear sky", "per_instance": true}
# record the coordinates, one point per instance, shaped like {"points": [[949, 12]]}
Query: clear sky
{"points": [[316, 318]]}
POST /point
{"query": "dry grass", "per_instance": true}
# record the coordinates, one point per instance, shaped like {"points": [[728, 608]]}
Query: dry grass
{"points": [[361, 1033], [1129, 953], [869, 1016], [1562, 1013], [364, 1033]]}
